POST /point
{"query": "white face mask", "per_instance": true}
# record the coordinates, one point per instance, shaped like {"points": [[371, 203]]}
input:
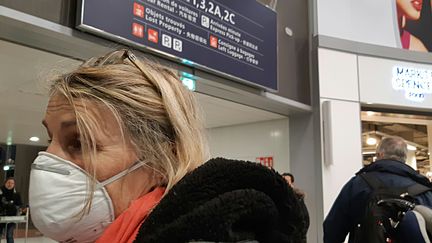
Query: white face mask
{"points": [[57, 194]]}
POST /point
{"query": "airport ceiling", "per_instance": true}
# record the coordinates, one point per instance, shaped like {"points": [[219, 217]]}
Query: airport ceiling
{"points": [[23, 98]]}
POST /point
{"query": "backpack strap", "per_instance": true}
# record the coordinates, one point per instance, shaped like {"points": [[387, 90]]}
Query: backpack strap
{"points": [[417, 189], [376, 183], [372, 181]]}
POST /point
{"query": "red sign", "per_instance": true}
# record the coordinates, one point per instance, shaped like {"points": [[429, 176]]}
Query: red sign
{"points": [[137, 30], [138, 10], [266, 161], [153, 35], [213, 41]]}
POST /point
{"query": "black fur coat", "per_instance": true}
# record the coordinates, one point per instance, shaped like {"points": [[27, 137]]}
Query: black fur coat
{"points": [[227, 201]]}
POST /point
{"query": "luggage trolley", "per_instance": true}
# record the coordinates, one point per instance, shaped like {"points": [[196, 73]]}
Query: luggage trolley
{"points": [[16, 219]]}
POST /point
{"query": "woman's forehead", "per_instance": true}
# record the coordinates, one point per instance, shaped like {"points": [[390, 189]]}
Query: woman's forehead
{"points": [[60, 110], [57, 103]]}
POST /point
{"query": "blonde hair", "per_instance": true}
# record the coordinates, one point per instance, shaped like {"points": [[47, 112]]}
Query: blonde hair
{"points": [[154, 111]]}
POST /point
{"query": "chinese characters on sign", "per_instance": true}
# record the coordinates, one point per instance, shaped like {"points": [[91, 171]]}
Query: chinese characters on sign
{"points": [[173, 17], [228, 37]]}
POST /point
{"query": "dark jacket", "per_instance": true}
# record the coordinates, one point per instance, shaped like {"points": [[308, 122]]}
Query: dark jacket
{"points": [[10, 201], [349, 207], [305, 215], [227, 201]]}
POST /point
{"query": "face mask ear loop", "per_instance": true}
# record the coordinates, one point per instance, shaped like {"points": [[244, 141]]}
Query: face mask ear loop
{"points": [[137, 165]]}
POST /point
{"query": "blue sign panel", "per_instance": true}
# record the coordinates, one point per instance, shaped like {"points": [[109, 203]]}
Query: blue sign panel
{"points": [[232, 37]]}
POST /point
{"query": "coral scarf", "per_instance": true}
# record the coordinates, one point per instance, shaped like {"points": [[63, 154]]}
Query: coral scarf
{"points": [[125, 227]]}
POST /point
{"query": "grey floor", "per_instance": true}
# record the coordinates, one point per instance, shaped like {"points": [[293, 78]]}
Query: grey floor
{"points": [[32, 240]]}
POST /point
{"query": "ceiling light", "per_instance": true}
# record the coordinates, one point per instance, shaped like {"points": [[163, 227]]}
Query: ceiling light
{"points": [[370, 113], [9, 139], [371, 141], [6, 167], [275, 134], [288, 31], [369, 152], [412, 148], [34, 139]]}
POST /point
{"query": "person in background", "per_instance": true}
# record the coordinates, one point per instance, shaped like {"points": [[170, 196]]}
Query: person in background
{"points": [[390, 168], [125, 163], [290, 180], [301, 196], [10, 205]]}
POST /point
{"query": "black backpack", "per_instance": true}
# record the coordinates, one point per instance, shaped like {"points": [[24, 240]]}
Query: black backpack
{"points": [[384, 210]]}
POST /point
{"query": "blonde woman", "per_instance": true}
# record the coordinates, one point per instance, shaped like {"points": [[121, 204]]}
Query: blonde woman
{"points": [[125, 137]]}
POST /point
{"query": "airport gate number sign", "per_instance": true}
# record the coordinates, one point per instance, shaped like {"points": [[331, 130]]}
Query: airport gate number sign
{"points": [[232, 37]]}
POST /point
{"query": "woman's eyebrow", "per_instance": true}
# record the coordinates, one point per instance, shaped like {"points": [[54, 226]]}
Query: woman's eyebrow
{"points": [[66, 124], [63, 125]]}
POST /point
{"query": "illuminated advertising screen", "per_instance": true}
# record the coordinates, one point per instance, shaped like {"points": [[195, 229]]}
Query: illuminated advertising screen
{"points": [[392, 83], [235, 38]]}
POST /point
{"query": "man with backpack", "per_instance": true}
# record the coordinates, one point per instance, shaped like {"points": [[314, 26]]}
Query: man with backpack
{"points": [[372, 204]]}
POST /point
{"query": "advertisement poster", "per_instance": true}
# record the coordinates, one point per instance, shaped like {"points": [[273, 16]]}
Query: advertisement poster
{"points": [[415, 21], [236, 38], [405, 24]]}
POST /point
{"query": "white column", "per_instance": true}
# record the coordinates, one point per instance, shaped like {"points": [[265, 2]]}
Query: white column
{"points": [[411, 159]]}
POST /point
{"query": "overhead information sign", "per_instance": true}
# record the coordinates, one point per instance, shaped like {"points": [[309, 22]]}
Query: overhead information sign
{"points": [[231, 37]]}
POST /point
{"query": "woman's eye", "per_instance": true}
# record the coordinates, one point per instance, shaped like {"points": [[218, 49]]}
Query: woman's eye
{"points": [[49, 141]]}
